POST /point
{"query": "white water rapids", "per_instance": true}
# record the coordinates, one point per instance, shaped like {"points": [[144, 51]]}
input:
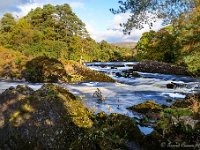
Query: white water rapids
{"points": [[125, 92]]}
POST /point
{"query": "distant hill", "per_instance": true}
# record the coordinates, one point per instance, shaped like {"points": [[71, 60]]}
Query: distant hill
{"points": [[125, 44]]}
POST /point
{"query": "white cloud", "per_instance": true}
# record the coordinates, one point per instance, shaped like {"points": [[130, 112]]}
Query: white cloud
{"points": [[26, 8], [22, 7], [11, 5], [76, 4], [114, 32]]}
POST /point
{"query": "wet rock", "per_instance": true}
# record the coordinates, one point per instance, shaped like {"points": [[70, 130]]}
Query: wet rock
{"points": [[160, 67], [50, 118], [135, 74], [170, 86], [169, 100], [187, 102], [146, 107], [128, 74], [15, 93]]}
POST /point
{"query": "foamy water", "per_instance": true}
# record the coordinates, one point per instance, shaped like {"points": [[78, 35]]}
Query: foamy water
{"points": [[125, 92]]}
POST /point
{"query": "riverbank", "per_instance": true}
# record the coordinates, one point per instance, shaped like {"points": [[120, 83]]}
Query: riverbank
{"points": [[14, 66], [34, 117], [160, 67]]}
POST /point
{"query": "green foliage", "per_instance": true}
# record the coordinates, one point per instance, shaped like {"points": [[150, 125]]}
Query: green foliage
{"points": [[158, 46], [55, 31], [146, 12], [177, 112], [188, 35], [7, 23], [178, 43]]}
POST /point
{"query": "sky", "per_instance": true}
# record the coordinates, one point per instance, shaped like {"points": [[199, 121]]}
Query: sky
{"points": [[99, 21]]}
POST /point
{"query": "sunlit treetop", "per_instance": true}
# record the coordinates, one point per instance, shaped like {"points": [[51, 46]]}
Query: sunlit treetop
{"points": [[148, 11]]}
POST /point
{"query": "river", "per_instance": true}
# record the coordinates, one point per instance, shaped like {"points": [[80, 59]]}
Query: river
{"points": [[126, 91]]}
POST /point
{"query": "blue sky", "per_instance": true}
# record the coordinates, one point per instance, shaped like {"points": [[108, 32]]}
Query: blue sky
{"points": [[94, 13]]}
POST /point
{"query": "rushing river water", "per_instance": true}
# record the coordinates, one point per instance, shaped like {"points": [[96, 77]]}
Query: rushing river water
{"points": [[126, 91]]}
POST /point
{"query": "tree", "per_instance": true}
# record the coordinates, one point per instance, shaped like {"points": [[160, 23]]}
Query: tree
{"points": [[188, 37], [7, 22], [55, 31], [147, 11], [159, 46]]}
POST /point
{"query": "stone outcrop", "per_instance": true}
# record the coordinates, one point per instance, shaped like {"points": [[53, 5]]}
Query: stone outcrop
{"points": [[52, 118], [45, 70], [160, 67], [146, 107]]}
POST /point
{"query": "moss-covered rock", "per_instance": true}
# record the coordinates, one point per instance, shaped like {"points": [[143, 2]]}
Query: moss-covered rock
{"points": [[187, 101], [160, 67], [136, 74], [15, 94], [50, 118], [113, 131], [81, 73], [146, 107], [177, 125], [44, 69]]}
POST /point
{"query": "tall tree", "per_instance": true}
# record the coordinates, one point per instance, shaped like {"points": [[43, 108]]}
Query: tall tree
{"points": [[159, 46], [147, 11], [7, 22]]}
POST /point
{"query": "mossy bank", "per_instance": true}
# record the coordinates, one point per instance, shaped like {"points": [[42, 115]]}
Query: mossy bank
{"points": [[16, 66]]}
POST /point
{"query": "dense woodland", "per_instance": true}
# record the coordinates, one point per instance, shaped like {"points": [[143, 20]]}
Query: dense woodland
{"points": [[42, 47], [178, 43], [55, 31]]}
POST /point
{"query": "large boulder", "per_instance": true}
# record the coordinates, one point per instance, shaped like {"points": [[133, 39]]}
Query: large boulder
{"points": [[160, 67], [45, 70], [50, 118], [146, 107], [112, 131], [187, 102], [81, 73]]}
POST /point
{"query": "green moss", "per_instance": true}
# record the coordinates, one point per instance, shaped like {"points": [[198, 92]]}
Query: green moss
{"points": [[82, 73], [148, 106], [109, 132], [27, 108], [44, 69], [14, 116], [177, 112]]}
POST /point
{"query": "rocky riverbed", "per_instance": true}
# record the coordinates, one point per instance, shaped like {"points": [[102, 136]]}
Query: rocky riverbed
{"points": [[126, 120]]}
